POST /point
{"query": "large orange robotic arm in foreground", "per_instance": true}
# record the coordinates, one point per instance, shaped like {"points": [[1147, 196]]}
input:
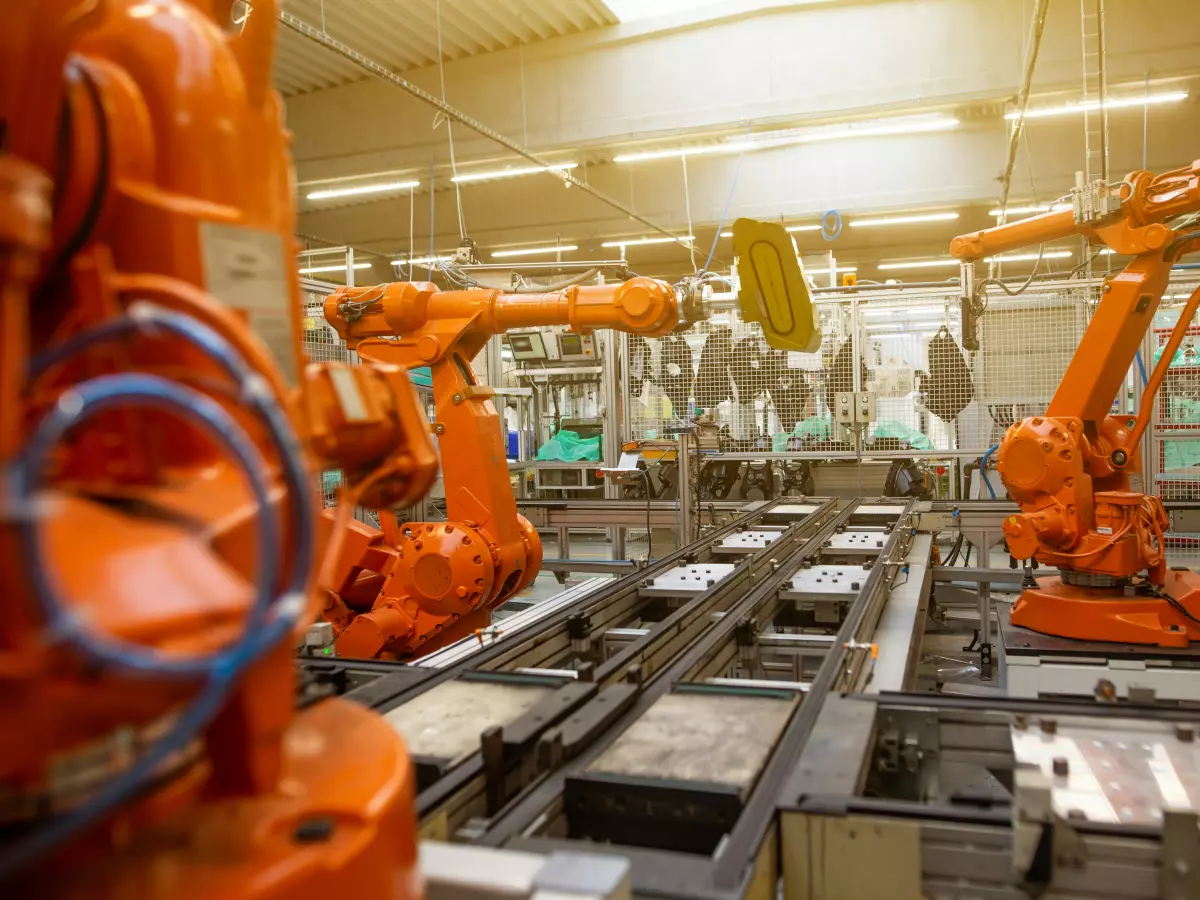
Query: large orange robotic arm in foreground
{"points": [[1070, 469], [158, 521], [406, 590]]}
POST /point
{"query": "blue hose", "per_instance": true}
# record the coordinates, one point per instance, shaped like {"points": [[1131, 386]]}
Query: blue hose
{"points": [[92, 398], [271, 618], [983, 461], [1141, 367]]}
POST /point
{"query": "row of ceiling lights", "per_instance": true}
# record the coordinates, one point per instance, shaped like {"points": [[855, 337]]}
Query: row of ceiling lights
{"points": [[896, 125], [873, 128], [946, 262], [914, 219]]}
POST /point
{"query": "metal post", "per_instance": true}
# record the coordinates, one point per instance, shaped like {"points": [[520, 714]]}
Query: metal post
{"points": [[494, 362], [1149, 448], [982, 561], [349, 267], [612, 354], [610, 369], [684, 455]]}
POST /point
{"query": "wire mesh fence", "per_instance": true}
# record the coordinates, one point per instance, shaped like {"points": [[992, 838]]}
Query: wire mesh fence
{"points": [[906, 347], [1175, 436]]}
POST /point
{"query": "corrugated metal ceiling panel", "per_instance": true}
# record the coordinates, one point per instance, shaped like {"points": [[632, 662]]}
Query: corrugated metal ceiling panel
{"points": [[403, 34]]}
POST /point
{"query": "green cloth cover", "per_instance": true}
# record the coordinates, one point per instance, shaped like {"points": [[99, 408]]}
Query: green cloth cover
{"points": [[567, 446]]}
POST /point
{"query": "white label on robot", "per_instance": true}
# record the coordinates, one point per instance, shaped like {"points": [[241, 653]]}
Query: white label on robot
{"points": [[245, 268], [1103, 529], [348, 394]]}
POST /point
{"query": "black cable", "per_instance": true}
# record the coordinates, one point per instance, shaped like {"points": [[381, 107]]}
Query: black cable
{"points": [[649, 533], [1179, 607]]}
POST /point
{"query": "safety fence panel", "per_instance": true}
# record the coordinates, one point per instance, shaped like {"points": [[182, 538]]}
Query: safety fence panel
{"points": [[1025, 345], [1175, 432], [931, 393]]}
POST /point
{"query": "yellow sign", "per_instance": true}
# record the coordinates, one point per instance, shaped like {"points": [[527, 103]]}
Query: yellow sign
{"points": [[774, 291]]}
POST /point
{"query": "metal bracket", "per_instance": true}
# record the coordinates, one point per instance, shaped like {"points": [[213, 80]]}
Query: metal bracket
{"points": [[1180, 854], [906, 750]]}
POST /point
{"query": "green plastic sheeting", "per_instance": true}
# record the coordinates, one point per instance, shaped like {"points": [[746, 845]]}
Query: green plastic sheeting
{"points": [[889, 428], [567, 446], [818, 427], [813, 427]]}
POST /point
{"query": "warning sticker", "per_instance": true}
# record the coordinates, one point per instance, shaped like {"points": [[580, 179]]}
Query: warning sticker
{"points": [[245, 268]]}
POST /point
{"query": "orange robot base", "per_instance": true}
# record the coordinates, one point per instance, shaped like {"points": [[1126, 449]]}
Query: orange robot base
{"points": [[335, 825], [1108, 614]]}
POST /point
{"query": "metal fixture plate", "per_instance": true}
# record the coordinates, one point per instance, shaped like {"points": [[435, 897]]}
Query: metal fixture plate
{"points": [[840, 583], [747, 541], [688, 580]]}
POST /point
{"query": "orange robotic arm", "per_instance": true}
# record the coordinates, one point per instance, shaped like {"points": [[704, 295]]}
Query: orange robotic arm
{"points": [[408, 590], [157, 514], [1070, 469]]}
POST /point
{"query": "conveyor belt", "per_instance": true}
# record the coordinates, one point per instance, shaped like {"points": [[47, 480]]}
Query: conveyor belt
{"points": [[657, 775]]}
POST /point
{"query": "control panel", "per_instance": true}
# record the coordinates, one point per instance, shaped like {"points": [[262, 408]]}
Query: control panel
{"points": [[854, 407], [566, 346]]}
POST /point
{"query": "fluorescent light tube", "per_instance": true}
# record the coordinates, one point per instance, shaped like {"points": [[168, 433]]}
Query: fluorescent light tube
{"points": [[919, 264], [904, 220], [512, 173], [1093, 105], [423, 261], [637, 242], [533, 251], [1031, 210], [790, 229], [770, 140], [313, 270], [906, 311], [1029, 257], [948, 262], [364, 189]]}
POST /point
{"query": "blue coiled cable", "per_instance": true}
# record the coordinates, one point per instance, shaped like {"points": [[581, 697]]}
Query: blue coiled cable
{"points": [[983, 461], [271, 618]]}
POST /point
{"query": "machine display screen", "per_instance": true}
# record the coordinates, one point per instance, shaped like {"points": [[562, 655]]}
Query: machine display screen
{"points": [[521, 344], [572, 344]]}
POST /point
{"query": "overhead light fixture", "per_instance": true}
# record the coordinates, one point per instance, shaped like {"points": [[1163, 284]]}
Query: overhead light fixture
{"points": [[314, 270], [907, 311], [947, 262], [1093, 105], [512, 173], [913, 329], [950, 262], [533, 251], [1029, 257], [381, 188], [790, 229], [904, 220], [423, 261], [1030, 210], [637, 242], [773, 139]]}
